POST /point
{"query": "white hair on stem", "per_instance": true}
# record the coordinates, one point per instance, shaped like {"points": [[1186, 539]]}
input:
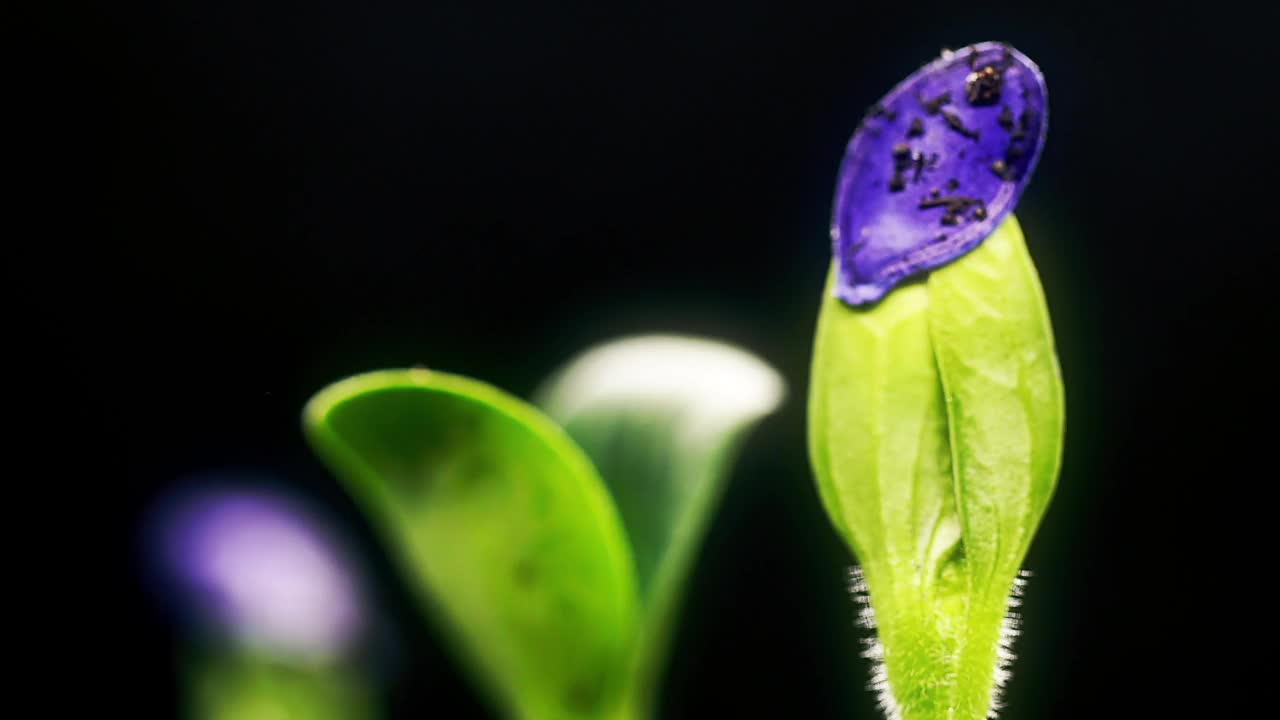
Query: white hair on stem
{"points": [[1010, 628], [872, 649]]}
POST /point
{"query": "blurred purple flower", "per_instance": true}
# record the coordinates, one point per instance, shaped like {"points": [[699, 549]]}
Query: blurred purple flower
{"points": [[935, 166], [260, 567]]}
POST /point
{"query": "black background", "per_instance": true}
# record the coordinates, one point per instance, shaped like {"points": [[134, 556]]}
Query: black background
{"points": [[277, 195]]}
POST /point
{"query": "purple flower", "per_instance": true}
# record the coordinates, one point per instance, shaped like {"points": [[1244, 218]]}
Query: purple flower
{"points": [[935, 166], [257, 566]]}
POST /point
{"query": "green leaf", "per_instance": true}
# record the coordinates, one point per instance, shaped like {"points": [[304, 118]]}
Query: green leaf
{"points": [[878, 443], [994, 347], [935, 426], [662, 417], [502, 524], [1005, 409]]}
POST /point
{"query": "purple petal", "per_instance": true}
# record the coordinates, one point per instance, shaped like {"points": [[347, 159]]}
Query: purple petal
{"points": [[935, 166]]}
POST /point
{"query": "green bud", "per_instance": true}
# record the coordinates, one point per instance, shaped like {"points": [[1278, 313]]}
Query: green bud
{"points": [[935, 433]]}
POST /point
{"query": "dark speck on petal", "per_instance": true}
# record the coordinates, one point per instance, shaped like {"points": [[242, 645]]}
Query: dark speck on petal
{"points": [[882, 230]]}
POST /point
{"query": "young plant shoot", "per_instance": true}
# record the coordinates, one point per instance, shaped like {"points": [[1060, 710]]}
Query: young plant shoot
{"points": [[556, 589], [936, 405]]}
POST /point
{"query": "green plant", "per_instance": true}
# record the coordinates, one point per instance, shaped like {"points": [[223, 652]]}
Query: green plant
{"points": [[556, 589], [936, 406]]}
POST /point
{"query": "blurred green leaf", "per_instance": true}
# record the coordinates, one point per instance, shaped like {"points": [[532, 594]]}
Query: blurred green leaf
{"points": [[503, 525], [662, 417], [935, 427]]}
